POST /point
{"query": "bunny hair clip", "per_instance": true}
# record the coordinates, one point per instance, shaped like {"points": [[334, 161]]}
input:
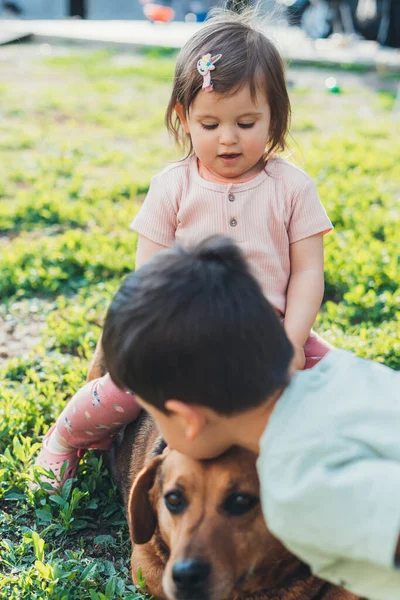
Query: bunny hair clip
{"points": [[205, 65]]}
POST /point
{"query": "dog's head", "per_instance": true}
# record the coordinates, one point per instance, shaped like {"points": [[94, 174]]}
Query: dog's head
{"points": [[206, 521]]}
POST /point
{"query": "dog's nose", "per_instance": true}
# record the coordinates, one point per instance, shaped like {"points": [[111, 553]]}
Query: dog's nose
{"points": [[190, 573]]}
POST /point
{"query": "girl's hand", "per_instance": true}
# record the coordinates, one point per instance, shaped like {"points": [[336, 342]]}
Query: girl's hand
{"points": [[299, 359]]}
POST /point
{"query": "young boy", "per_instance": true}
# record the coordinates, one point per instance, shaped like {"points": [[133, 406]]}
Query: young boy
{"points": [[192, 335]]}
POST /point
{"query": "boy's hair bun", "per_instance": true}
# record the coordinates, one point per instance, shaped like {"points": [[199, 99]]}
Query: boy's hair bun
{"points": [[222, 250]]}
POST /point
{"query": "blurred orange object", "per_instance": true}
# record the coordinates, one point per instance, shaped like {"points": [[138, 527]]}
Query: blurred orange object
{"points": [[157, 12]]}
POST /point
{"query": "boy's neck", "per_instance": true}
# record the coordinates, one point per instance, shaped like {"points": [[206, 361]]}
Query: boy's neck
{"points": [[248, 427]]}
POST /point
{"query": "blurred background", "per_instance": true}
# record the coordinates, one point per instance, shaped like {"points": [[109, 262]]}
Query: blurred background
{"points": [[377, 20]]}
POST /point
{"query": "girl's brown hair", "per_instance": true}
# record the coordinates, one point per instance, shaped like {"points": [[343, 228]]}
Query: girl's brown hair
{"points": [[248, 57]]}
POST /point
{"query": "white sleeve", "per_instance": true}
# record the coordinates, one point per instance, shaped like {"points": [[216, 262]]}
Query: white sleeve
{"points": [[340, 499]]}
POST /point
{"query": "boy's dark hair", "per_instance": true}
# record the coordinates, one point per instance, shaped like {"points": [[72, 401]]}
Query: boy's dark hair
{"points": [[194, 326]]}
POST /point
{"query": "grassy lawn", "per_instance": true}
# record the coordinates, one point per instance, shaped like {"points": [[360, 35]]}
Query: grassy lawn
{"points": [[81, 134]]}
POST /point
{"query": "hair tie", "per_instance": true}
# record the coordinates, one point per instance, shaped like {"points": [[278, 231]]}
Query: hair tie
{"points": [[204, 65]]}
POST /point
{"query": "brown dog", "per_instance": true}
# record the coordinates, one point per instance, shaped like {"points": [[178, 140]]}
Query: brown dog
{"points": [[196, 526]]}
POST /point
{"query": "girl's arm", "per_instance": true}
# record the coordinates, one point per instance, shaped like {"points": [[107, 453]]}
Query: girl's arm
{"points": [[305, 290], [146, 250]]}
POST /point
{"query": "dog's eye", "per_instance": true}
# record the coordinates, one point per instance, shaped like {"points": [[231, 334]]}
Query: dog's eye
{"points": [[239, 504], [175, 502]]}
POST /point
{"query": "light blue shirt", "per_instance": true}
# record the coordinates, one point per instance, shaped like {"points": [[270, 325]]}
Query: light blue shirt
{"points": [[329, 470]]}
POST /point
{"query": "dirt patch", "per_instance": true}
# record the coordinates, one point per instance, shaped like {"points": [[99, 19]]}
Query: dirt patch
{"points": [[21, 324]]}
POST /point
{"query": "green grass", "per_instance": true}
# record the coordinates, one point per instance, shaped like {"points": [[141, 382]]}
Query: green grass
{"points": [[82, 134]]}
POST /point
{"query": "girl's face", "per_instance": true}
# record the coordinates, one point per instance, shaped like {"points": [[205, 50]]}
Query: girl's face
{"points": [[229, 133]]}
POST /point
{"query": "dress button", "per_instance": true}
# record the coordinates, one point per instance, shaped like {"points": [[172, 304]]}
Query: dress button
{"points": [[231, 197], [233, 222]]}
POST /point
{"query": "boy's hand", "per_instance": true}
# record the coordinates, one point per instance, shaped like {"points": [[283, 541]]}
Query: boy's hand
{"points": [[299, 359]]}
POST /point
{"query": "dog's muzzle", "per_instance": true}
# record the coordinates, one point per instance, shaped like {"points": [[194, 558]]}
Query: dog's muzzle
{"points": [[191, 578]]}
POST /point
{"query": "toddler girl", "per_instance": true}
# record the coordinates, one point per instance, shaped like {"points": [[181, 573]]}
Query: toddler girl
{"points": [[230, 110]]}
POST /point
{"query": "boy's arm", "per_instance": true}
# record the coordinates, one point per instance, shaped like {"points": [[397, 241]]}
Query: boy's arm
{"points": [[305, 289], [338, 509], [346, 529]]}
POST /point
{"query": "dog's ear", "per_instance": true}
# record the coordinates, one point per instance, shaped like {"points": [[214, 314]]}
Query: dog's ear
{"points": [[97, 367], [141, 515]]}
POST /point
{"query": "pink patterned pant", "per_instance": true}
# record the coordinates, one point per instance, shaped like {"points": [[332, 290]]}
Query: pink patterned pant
{"points": [[96, 413], [99, 409], [315, 348]]}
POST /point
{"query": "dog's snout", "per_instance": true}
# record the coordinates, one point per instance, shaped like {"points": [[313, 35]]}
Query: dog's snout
{"points": [[189, 574]]}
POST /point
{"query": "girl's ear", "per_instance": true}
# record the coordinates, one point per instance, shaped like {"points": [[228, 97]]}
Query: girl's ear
{"points": [[182, 117]]}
